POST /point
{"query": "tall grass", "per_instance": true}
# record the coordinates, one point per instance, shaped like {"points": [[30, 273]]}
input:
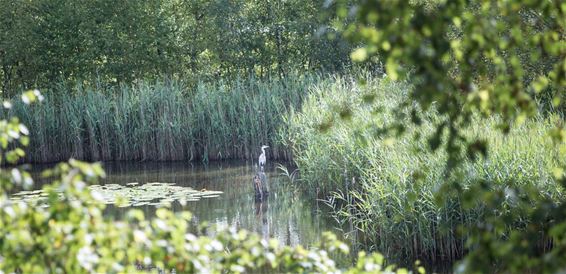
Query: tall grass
{"points": [[386, 188], [162, 120]]}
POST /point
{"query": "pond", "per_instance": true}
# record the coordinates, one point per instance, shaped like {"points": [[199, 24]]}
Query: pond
{"points": [[287, 214], [226, 199]]}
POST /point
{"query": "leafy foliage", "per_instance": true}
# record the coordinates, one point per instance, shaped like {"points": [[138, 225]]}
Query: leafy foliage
{"points": [[385, 187], [47, 41], [493, 58], [467, 56]]}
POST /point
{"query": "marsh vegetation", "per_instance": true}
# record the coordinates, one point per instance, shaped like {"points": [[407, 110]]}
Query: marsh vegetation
{"points": [[429, 131]]}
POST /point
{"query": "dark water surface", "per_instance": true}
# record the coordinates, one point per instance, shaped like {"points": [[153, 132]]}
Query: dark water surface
{"points": [[287, 214]]}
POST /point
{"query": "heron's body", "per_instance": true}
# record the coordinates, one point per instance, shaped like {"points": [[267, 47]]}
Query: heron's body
{"points": [[262, 158]]}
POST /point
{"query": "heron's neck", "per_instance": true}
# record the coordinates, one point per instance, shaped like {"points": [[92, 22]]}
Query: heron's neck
{"points": [[263, 150]]}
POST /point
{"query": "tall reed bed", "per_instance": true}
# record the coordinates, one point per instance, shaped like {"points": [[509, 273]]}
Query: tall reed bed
{"points": [[386, 188], [162, 120]]}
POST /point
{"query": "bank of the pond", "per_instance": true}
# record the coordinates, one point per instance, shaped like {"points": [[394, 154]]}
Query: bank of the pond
{"points": [[386, 187], [162, 121]]}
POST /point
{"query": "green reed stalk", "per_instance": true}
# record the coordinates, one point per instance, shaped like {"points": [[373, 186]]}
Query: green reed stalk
{"points": [[387, 189], [162, 120]]}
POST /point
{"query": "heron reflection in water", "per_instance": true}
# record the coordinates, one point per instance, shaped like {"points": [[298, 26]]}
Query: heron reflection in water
{"points": [[261, 212]]}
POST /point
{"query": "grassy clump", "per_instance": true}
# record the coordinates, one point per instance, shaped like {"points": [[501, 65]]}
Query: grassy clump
{"points": [[162, 120], [387, 187]]}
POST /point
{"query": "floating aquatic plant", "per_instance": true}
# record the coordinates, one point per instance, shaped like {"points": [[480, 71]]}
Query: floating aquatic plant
{"points": [[131, 194]]}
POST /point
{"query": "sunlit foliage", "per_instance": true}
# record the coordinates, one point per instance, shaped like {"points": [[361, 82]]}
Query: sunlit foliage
{"points": [[385, 187], [499, 59], [465, 57]]}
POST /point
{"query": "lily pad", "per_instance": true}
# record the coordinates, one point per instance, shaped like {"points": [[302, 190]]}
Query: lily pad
{"points": [[154, 193]]}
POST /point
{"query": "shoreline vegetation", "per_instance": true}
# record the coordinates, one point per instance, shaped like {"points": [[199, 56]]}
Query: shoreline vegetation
{"points": [[162, 120], [387, 186], [383, 186]]}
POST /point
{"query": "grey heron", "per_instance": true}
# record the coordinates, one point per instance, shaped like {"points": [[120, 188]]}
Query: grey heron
{"points": [[262, 157]]}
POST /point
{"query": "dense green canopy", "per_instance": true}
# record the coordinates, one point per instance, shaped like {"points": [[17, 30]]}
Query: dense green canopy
{"points": [[47, 41]]}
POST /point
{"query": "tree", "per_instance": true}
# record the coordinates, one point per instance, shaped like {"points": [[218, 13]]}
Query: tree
{"points": [[48, 41], [469, 57]]}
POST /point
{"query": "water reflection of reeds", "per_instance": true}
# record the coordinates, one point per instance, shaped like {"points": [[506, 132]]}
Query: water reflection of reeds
{"points": [[287, 214]]}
